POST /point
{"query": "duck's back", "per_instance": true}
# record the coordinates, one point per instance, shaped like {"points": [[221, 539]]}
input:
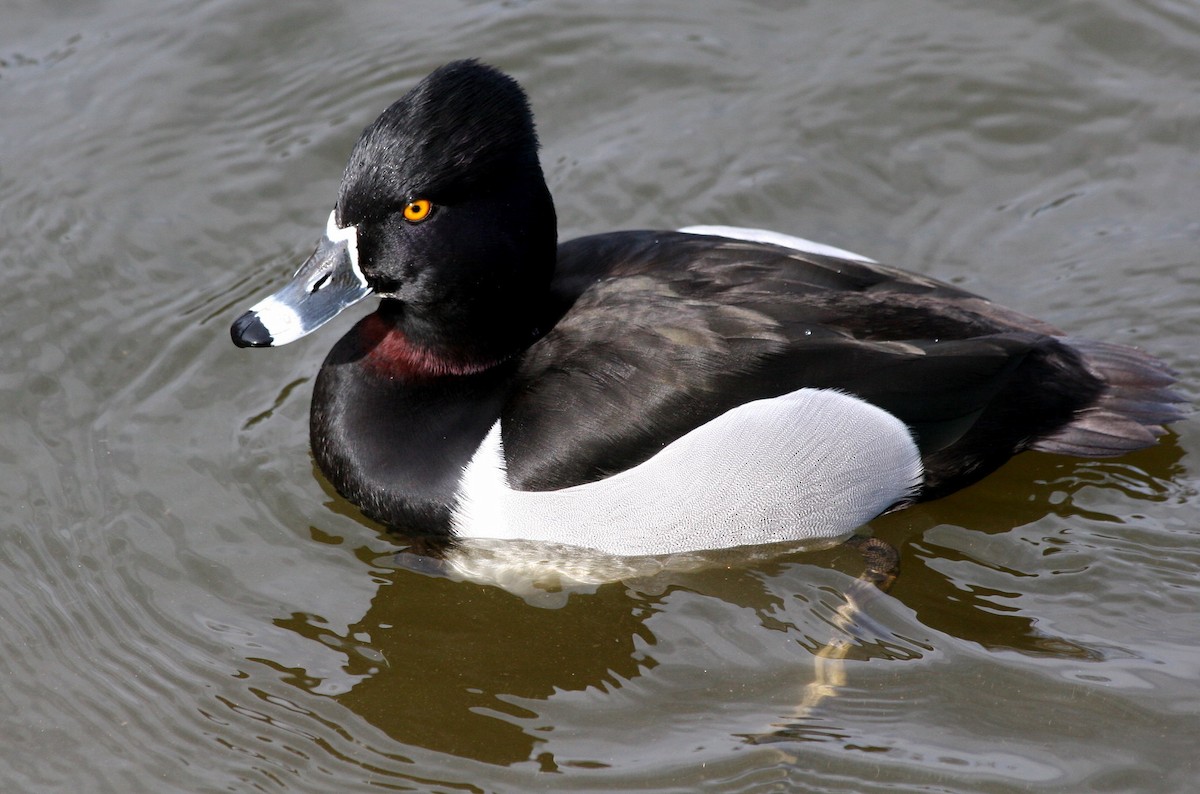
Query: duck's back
{"points": [[662, 331]]}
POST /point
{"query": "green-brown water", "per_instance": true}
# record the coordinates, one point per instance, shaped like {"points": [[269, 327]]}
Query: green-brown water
{"points": [[185, 607]]}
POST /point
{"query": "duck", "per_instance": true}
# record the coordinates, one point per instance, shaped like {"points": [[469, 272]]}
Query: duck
{"points": [[651, 392]]}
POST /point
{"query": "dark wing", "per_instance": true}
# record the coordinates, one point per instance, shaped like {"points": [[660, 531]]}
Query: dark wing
{"points": [[631, 364], [665, 331]]}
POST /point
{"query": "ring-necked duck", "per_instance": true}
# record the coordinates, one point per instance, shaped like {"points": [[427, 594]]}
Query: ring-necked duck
{"points": [[649, 392]]}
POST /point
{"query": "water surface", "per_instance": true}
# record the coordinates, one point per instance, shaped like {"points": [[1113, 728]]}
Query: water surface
{"points": [[187, 607]]}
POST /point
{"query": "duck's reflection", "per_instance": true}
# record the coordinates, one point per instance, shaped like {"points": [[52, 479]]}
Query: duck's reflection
{"points": [[483, 673]]}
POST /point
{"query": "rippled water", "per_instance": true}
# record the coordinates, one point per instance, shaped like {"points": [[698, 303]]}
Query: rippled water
{"points": [[187, 607]]}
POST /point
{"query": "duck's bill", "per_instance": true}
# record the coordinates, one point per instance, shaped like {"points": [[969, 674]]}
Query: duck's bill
{"points": [[327, 283]]}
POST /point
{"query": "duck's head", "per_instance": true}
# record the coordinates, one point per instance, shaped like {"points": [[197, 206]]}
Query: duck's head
{"points": [[444, 213]]}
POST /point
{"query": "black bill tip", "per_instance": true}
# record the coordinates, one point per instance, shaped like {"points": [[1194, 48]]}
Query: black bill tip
{"points": [[248, 331]]}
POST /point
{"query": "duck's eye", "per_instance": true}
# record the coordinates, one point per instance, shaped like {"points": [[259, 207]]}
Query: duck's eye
{"points": [[418, 210]]}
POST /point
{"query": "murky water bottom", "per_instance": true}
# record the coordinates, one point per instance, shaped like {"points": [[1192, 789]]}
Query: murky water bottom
{"points": [[187, 607]]}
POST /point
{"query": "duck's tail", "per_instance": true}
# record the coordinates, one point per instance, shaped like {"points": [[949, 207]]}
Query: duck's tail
{"points": [[1130, 413]]}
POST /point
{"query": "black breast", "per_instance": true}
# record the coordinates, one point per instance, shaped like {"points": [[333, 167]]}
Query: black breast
{"points": [[396, 447]]}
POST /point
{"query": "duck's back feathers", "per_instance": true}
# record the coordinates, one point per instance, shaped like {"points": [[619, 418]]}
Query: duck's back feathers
{"points": [[665, 331]]}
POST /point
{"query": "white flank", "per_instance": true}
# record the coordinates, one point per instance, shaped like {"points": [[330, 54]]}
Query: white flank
{"points": [[809, 465], [775, 238]]}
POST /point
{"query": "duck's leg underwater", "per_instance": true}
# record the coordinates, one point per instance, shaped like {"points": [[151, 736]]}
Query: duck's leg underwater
{"points": [[881, 558], [829, 669], [882, 566]]}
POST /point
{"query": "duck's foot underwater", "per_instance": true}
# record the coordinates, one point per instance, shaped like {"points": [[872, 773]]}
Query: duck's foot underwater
{"points": [[881, 558], [851, 622]]}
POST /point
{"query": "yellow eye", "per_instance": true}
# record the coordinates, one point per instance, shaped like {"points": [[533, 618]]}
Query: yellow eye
{"points": [[418, 210]]}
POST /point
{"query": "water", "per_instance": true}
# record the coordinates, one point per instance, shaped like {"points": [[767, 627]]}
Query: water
{"points": [[186, 607]]}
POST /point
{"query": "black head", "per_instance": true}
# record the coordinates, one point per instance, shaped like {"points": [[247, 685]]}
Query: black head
{"points": [[462, 127], [454, 219]]}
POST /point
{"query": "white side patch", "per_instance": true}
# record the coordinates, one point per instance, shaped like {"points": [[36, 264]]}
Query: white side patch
{"points": [[483, 488], [775, 238], [281, 320], [812, 464]]}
